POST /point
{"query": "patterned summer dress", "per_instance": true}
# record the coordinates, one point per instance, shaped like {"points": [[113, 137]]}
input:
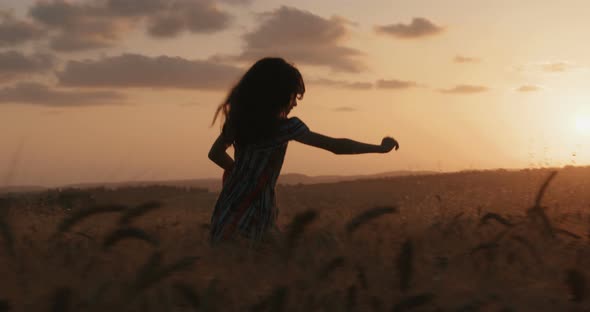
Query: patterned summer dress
{"points": [[246, 205]]}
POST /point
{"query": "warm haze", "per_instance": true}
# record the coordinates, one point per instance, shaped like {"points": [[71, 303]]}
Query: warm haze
{"points": [[117, 90]]}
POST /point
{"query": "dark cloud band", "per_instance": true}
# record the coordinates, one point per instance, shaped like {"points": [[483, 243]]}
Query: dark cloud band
{"points": [[33, 93], [138, 71], [15, 32], [15, 64], [80, 26]]}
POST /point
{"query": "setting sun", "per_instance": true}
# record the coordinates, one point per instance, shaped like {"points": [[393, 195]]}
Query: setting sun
{"points": [[583, 124]]}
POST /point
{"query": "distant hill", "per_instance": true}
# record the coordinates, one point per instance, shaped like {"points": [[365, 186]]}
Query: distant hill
{"points": [[296, 178], [215, 184], [21, 189], [285, 179]]}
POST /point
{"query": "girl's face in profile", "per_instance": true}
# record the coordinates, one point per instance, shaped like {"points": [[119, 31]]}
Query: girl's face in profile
{"points": [[292, 104], [288, 109]]}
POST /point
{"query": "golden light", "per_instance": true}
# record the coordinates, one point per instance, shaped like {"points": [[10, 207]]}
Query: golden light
{"points": [[583, 124]]}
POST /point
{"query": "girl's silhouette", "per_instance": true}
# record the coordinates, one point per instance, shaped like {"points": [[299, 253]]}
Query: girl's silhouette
{"points": [[256, 124]]}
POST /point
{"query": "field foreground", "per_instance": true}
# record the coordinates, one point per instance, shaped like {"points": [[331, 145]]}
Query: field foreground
{"points": [[470, 241]]}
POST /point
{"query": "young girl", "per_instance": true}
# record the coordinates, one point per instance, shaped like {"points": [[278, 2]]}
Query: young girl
{"points": [[256, 124]]}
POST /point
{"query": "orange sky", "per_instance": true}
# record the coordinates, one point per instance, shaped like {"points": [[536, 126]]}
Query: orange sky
{"points": [[107, 90]]}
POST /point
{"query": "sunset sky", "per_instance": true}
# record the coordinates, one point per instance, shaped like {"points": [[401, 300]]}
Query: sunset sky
{"points": [[120, 90]]}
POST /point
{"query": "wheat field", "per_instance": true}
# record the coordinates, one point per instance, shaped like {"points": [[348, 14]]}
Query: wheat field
{"points": [[468, 241]]}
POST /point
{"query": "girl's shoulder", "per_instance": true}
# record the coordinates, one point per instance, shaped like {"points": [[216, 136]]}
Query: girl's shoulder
{"points": [[291, 128], [292, 121]]}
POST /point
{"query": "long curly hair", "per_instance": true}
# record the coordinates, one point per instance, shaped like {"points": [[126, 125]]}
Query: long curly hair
{"points": [[255, 105]]}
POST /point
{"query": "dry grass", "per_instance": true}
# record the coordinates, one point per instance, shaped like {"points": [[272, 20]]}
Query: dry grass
{"points": [[474, 241]]}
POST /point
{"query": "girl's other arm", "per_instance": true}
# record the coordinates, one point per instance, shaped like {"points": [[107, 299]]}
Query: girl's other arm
{"points": [[218, 154], [346, 146]]}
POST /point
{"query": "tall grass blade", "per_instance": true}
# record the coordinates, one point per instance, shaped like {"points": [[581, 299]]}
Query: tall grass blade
{"points": [[274, 302], [543, 188], [367, 216], [128, 233], [180, 265], [189, 294], [297, 227], [5, 305], [494, 216], [145, 273], [351, 298], [97, 294], [567, 233], [139, 211], [278, 300], [82, 215], [484, 246], [61, 300], [471, 306], [5, 228], [538, 212], [152, 273], [330, 267], [211, 297], [532, 250], [412, 302], [576, 282], [405, 265], [361, 276]]}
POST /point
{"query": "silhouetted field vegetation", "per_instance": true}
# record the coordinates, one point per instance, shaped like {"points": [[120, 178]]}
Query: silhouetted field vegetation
{"points": [[469, 241]]}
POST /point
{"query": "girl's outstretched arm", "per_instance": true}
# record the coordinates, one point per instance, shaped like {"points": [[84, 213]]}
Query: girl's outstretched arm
{"points": [[219, 155], [346, 146]]}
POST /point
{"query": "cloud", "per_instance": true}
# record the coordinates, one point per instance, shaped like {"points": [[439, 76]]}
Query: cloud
{"points": [[79, 26], [344, 109], [131, 8], [528, 88], [138, 71], [356, 85], [395, 84], [193, 16], [304, 38], [419, 27], [465, 59], [465, 89], [556, 67], [548, 67], [14, 32], [38, 94], [90, 25], [238, 2], [14, 64]]}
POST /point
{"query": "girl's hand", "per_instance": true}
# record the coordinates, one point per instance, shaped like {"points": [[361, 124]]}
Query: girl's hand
{"points": [[389, 143]]}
